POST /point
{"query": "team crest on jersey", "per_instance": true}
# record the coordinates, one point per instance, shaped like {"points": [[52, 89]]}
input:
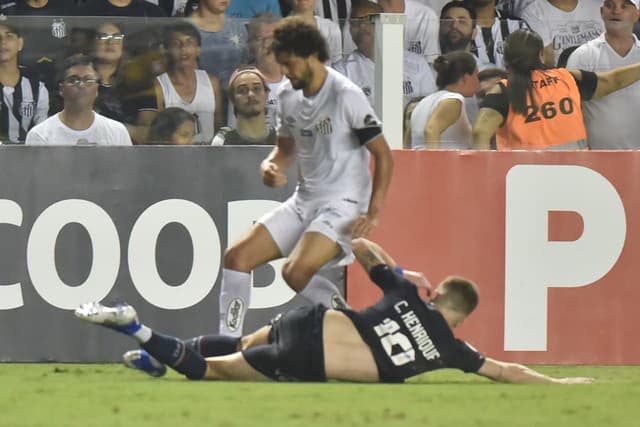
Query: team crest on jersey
{"points": [[324, 127], [58, 29], [407, 87], [306, 132], [290, 120], [367, 90], [27, 109], [415, 46]]}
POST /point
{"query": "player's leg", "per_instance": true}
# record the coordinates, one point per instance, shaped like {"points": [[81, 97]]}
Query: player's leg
{"points": [[205, 345], [166, 349], [273, 235], [310, 253], [253, 249], [326, 242]]}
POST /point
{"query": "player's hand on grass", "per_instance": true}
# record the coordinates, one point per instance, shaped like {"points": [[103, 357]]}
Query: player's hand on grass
{"points": [[576, 380], [272, 175], [363, 226], [418, 279]]}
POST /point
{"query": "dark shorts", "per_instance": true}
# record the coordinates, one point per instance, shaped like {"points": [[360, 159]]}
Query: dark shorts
{"points": [[295, 352]]}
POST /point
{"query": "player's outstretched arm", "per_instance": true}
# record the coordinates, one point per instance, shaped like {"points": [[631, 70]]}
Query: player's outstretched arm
{"points": [[272, 168], [516, 373]]}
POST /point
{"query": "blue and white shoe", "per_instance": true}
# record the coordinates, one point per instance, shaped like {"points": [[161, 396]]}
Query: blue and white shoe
{"points": [[143, 361], [122, 318]]}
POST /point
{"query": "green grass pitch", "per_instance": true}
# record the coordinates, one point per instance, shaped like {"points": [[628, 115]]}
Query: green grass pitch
{"points": [[110, 395]]}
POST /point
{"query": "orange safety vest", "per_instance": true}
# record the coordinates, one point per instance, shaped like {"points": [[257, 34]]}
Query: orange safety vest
{"points": [[555, 122]]}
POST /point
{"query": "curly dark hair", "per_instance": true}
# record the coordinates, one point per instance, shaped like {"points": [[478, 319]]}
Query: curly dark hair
{"points": [[294, 36]]}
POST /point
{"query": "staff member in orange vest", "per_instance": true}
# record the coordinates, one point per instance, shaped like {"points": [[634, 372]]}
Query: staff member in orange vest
{"points": [[537, 108]]}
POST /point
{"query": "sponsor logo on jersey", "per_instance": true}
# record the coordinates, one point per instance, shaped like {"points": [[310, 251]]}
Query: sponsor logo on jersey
{"points": [[306, 132], [234, 314], [324, 127], [575, 33]]}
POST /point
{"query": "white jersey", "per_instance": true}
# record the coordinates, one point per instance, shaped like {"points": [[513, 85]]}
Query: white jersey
{"points": [[103, 131], [328, 130], [490, 41], [562, 29], [455, 137], [421, 30], [271, 107], [331, 32], [418, 79], [514, 8], [203, 104], [608, 120], [435, 5]]}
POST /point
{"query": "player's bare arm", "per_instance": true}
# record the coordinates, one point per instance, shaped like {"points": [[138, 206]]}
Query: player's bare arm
{"points": [[369, 254], [516, 373], [272, 168], [383, 160], [487, 122]]}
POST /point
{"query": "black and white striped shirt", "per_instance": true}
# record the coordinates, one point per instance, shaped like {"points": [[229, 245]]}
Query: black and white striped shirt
{"points": [[23, 107]]}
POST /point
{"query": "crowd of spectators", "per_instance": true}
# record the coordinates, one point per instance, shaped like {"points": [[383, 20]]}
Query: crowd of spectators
{"points": [[144, 58]]}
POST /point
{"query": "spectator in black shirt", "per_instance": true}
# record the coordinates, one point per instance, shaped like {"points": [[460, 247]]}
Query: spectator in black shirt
{"points": [[115, 99], [135, 8], [400, 336]]}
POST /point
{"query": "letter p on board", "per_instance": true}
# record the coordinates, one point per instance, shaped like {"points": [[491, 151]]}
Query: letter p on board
{"points": [[533, 263]]}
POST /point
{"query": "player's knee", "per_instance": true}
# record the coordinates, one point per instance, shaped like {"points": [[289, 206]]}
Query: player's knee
{"points": [[296, 276], [234, 259]]}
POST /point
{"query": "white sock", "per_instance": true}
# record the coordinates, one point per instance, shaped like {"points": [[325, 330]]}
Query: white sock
{"points": [[235, 297], [321, 290], [143, 334]]}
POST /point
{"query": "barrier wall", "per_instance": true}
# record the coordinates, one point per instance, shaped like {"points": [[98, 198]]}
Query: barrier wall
{"points": [[551, 239], [146, 225]]}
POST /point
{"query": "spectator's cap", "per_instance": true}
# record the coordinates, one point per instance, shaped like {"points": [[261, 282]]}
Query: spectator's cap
{"points": [[636, 3], [240, 71]]}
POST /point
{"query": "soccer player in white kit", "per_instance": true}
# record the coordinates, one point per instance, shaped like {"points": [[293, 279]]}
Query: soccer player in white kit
{"points": [[327, 124]]}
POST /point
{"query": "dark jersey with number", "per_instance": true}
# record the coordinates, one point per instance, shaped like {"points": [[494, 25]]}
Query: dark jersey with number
{"points": [[407, 335]]}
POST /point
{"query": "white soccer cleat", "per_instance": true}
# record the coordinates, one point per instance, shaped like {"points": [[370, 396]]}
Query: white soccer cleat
{"points": [[141, 360], [122, 318]]}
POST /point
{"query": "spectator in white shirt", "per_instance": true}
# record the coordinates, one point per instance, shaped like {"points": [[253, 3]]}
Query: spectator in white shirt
{"points": [[77, 123]]}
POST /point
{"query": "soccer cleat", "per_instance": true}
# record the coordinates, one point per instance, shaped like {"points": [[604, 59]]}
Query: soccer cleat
{"points": [[122, 318], [143, 361]]}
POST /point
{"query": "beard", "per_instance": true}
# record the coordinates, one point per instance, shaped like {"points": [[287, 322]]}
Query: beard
{"points": [[303, 80], [450, 44]]}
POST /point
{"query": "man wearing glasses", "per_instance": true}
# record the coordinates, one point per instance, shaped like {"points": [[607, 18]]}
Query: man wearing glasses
{"points": [[77, 123]]}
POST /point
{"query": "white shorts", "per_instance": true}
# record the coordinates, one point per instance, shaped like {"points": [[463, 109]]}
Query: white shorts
{"points": [[293, 218]]}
